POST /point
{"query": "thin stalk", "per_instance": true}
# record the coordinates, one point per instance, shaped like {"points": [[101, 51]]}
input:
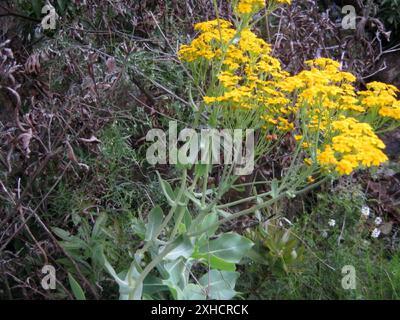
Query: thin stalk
{"points": [[169, 216], [181, 211], [255, 208], [237, 215], [150, 267], [234, 203]]}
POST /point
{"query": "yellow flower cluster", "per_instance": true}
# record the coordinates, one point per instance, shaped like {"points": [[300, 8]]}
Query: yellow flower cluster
{"points": [[249, 6], [214, 35], [324, 84], [322, 98], [354, 145], [249, 72], [392, 111], [329, 97], [382, 97]]}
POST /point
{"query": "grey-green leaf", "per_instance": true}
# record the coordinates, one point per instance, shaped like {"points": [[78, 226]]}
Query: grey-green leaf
{"points": [[167, 190], [76, 288], [230, 247], [176, 272], [64, 235], [183, 248], [100, 222], [220, 285], [207, 223], [193, 292], [154, 221]]}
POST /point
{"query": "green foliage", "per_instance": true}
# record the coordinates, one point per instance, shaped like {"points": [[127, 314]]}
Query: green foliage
{"points": [[277, 248], [86, 246], [179, 260], [76, 288], [224, 252], [124, 169], [220, 284], [389, 11], [327, 249], [159, 240]]}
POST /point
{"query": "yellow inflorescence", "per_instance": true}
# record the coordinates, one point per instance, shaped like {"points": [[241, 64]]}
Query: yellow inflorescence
{"points": [[248, 67], [249, 6], [214, 35], [354, 145], [391, 111], [323, 84], [382, 97], [323, 97]]}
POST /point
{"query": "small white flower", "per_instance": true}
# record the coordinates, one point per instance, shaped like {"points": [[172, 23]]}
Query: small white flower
{"points": [[376, 233], [324, 234], [378, 221], [331, 222], [365, 211]]}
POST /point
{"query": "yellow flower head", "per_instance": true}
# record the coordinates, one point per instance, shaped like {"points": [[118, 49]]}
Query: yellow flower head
{"points": [[249, 6], [355, 145]]}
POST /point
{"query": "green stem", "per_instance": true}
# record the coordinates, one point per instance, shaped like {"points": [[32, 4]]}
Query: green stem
{"points": [[234, 203], [237, 215], [150, 267], [182, 211], [223, 186], [169, 216], [255, 208]]}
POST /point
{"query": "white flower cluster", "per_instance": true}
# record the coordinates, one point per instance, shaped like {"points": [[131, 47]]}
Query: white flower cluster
{"points": [[375, 233], [378, 221], [365, 213]]}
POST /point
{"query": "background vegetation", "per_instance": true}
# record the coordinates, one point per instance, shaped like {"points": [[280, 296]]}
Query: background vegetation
{"points": [[78, 181]]}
